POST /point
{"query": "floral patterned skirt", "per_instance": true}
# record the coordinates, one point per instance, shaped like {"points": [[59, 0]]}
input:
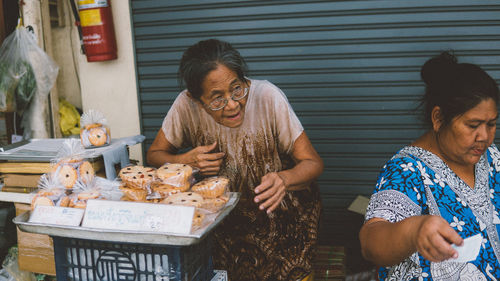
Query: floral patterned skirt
{"points": [[251, 245]]}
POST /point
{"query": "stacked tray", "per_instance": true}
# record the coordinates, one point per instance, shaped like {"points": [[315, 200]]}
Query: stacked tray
{"points": [[143, 237]]}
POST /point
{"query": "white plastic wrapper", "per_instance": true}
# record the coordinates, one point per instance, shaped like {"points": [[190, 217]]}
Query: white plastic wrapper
{"points": [[50, 192], [82, 192], [70, 165], [95, 131], [71, 149], [173, 178], [110, 189]]}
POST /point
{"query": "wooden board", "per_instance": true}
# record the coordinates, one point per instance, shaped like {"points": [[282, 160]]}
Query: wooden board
{"points": [[15, 189], [47, 45], [36, 167]]}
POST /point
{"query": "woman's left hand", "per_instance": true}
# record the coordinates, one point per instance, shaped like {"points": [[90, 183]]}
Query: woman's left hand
{"points": [[271, 192]]}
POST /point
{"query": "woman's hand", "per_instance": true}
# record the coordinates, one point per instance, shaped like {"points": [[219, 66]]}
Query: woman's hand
{"points": [[385, 243], [208, 163], [433, 238], [271, 192]]}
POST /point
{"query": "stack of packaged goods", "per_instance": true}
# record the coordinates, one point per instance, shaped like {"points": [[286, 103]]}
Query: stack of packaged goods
{"points": [[72, 181], [23, 177], [172, 184], [67, 181]]}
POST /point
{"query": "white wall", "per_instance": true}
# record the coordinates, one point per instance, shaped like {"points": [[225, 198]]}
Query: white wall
{"points": [[110, 86]]}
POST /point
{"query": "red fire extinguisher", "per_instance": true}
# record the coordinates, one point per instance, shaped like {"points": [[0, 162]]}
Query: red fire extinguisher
{"points": [[97, 28]]}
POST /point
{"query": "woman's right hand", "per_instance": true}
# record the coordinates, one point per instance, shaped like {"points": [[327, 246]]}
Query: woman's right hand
{"points": [[208, 162], [433, 238]]}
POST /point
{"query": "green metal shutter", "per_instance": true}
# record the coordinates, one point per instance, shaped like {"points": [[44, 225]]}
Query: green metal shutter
{"points": [[349, 68]]}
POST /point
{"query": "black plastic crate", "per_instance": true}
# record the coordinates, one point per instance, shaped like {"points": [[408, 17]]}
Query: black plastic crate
{"points": [[91, 260]]}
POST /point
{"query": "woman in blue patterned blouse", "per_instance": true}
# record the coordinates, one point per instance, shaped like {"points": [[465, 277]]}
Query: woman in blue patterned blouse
{"points": [[444, 187]]}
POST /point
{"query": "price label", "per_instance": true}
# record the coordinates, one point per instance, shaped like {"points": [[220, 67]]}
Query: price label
{"points": [[134, 216], [57, 215]]}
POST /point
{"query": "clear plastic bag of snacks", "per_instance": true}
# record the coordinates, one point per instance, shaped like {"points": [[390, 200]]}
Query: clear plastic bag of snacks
{"points": [[82, 192], [173, 176], [110, 190], [50, 192], [136, 181], [133, 194], [199, 219], [158, 191], [137, 176], [214, 191], [95, 130], [71, 166]]}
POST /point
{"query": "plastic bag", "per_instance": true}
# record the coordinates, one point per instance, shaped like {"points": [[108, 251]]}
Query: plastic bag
{"points": [[70, 164], [69, 118], [11, 266], [25, 71], [49, 193], [95, 130]]}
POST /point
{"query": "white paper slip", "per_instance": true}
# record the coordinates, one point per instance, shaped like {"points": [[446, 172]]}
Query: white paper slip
{"points": [[469, 250], [57, 215], [135, 216]]}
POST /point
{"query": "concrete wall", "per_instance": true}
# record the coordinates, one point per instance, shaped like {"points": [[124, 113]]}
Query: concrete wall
{"points": [[66, 50], [110, 86]]}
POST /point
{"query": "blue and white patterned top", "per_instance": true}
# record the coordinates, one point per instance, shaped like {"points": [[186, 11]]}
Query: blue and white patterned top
{"points": [[417, 182]]}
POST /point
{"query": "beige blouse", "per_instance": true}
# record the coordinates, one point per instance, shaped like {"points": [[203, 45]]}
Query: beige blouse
{"points": [[262, 144]]}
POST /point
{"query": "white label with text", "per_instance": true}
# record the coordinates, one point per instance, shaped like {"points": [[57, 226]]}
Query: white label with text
{"points": [[57, 215], [134, 216]]}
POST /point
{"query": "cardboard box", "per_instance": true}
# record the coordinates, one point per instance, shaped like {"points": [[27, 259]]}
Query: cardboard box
{"points": [[36, 251], [21, 180]]}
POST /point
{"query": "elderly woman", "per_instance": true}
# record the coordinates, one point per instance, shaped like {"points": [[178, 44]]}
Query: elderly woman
{"points": [[444, 187], [246, 130]]}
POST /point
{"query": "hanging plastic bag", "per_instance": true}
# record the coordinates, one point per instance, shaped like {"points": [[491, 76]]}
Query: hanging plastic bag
{"points": [[69, 118], [25, 71]]}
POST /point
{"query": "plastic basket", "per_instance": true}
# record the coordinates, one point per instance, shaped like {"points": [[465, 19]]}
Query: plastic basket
{"points": [[91, 260]]}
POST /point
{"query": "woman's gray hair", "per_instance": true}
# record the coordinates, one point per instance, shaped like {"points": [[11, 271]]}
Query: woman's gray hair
{"points": [[203, 57]]}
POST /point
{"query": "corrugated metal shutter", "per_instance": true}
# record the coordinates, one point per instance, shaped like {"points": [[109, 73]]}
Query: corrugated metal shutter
{"points": [[349, 68]]}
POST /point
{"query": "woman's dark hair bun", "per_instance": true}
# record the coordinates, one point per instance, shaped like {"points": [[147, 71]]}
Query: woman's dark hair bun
{"points": [[439, 69], [454, 87]]}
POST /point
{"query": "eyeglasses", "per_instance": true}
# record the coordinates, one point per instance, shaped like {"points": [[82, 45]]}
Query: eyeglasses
{"points": [[221, 102]]}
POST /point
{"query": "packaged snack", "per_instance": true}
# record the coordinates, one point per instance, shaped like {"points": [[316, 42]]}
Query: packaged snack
{"points": [[211, 187], [163, 192], [71, 166], [213, 205], [198, 218], [185, 199], [82, 192], [110, 189], [174, 176], [64, 201], [39, 200], [138, 177], [49, 193], [134, 194], [95, 131]]}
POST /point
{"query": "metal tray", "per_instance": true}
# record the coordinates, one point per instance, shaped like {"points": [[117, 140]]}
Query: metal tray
{"points": [[44, 150], [142, 237]]}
